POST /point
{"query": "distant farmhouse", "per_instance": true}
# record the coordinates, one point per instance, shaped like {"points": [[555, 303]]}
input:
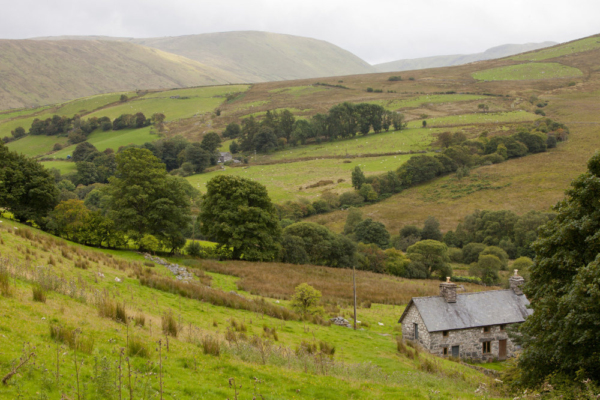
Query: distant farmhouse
{"points": [[225, 157], [467, 325]]}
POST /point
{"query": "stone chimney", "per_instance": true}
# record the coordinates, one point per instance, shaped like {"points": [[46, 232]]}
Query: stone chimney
{"points": [[448, 291], [516, 282]]}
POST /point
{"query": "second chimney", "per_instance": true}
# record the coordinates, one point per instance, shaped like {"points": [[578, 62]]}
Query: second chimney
{"points": [[515, 282], [448, 291]]}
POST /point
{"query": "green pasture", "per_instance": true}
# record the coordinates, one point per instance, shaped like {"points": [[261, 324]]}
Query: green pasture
{"points": [[33, 146], [21, 112], [578, 46], [188, 373], [113, 140], [283, 181], [89, 104], [527, 71], [478, 118], [7, 126], [261, 113], [65, 167], [384, 142], [201, 92], [298, 91], [393, 105]]}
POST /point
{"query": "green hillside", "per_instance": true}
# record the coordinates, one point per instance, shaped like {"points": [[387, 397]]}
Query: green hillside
{"points": [[40, 72], [214, 345]]}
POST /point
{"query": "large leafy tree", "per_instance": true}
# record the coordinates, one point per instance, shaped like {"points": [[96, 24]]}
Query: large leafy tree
{"points": [[369, 231], [145, 200], [431, 256], [237, 213], [561, 337], [27, 189]]}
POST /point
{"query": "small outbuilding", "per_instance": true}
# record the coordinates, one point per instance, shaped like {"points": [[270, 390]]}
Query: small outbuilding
{"points": [[224, 157], [466, 325]]}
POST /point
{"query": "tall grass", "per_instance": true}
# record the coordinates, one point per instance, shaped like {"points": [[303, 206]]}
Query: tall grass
{"points": [[216, 297], [169, 325], [73, 338], [39, 294], [136, 347]]}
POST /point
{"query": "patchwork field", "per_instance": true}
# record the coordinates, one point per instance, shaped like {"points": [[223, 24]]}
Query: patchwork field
{"points": [[566, 49], [527, 71], [65, 167], [283, 181]]}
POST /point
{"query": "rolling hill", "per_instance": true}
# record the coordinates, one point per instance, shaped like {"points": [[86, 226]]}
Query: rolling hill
{"points": [[35, 72], [459, 59], [253, 56]]}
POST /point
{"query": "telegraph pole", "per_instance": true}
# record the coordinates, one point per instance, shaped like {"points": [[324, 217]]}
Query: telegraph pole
{"points": [[354, 287]]}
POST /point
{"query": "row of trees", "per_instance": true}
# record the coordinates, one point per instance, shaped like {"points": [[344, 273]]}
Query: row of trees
{"points": [[278, 129], [78, 129]]}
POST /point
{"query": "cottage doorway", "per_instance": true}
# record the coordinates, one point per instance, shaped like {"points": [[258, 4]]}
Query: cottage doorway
{"points": [[455, 351], [502, 349]]}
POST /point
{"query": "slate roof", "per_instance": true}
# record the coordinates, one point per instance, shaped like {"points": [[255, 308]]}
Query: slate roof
{"points": [[471, 310]]}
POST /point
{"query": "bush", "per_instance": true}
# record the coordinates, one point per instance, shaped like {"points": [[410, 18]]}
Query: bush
{"points": [[487, 269], [394, 78], [498, 252], [57, 147], [455, 255], [193, 249], [351, 199], [395, 262], [471, 252], [540, 112], [369, 231]]}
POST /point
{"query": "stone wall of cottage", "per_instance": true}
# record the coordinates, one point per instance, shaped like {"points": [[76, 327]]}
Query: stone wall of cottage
{"points": [[408, 327], [470, 342]]}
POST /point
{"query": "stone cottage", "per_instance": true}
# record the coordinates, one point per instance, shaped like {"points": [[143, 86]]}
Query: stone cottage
{"points": [[224, 157], [466, 325]]}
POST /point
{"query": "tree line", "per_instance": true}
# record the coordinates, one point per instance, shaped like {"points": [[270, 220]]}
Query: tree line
{"points": [[279, 129], [77, 129]]}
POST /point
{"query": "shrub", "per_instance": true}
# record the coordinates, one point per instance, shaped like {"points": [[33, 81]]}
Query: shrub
{"points": [[487, 269], [395, 78], [326, 348], [351, 199], [193, 249], [136, 347], [57, 147], [498, 252], [39, 294], [455, 255], [169, 325], [471, 252], [370, 89]]}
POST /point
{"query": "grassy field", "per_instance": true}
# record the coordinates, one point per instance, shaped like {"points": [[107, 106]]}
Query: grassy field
{"points": [[479, 118], [394, 105], [574, 47], [384, 142], [112, 139], [365, 364], [33, 146], [527, 71], [283, 180], [89, 104], [65, 167], [200, 92], [21, 112]]}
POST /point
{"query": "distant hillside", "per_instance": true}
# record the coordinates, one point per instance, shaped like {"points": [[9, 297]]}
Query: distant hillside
{"points": [[459, 59], [258, 56], [34, 72]]}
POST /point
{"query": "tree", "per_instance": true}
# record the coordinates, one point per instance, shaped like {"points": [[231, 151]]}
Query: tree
{"points": [[369, 231], [433, 255], [499, 253], [431, 230], [198, 156], [238, 214], [232, 131], [395, 262], [322, 246], [487, 268], [265, 140], [145, 200], [353, 218], [561, 337], [69, 218], [471, 252], [123, 98], [305, 299], [293, 251], [367, 192], [27, 189], [18, 133], [84, 152], [234, 147], [358, 178], [211, 142]]}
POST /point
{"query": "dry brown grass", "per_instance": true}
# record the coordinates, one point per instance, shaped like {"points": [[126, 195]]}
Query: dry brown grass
{"points": [[278, 280]]}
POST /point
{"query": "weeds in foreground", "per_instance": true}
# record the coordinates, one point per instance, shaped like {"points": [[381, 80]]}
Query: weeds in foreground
{"points": [[136, 347], [169, 325], [39, 294]]}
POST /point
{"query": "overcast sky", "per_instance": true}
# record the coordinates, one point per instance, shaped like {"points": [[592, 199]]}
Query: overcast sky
{"points": [[375, 30]]}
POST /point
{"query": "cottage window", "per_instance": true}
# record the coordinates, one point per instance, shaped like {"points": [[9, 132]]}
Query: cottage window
{"points": [[487, 347], [486, 329], [502, 327], [445, 333], [445, 351]]}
